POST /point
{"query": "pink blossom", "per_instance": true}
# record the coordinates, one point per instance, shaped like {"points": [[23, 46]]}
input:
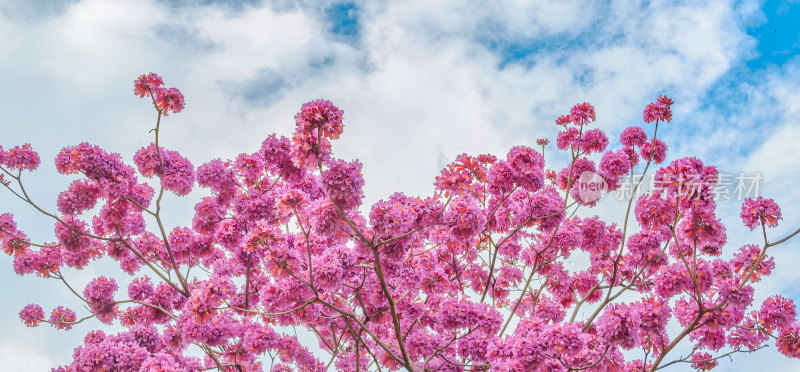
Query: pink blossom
{"points": [[62, 318], [464, 217], [20, 157], [176, 172], [671, 280], [320, 115], [632, 155], [145, 85], [703, 361], [759, 211], [501, 178], [277, 159], [249, 167], [255, 205], [208, 212], [582, 114], [317, 122], [571, 173], [569, 138], [72, 234], [527, 166], [99, 293], [343, 182], [218, 176], [169, 100], [593, 141], [282, 241], [613, 166], [657, 153], [31, 315], [659, 110], [645, 245], [777, 312], [563, 120], [393, 217], [112, 175], [81, 195], [788, 341], [654, 212], [654, 313], [633, 136], [618, 326], [454, 180]]}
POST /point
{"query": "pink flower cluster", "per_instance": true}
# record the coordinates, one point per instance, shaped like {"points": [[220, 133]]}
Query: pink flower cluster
{"points": [[165, 99], [317, 122], [99, 294], [342, 182], [760, 211], [20, 157], [480, 275], [31, 315], [176, 172], [659, 110], [581, 114], [62, 318]]}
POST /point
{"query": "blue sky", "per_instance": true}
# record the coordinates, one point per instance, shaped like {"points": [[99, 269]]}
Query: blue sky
{"points": [[419, 81]]}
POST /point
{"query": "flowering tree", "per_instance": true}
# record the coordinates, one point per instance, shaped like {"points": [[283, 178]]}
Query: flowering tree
{"points": [[471, 278]]}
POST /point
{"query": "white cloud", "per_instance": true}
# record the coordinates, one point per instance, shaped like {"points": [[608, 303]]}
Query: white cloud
{"points": [[21, 358]]}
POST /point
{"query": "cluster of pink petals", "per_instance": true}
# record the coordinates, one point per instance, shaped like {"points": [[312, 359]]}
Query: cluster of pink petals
{"points": [[176, 172], [169, 100], [749, 259], [146, 84], [80, 196], [777, 312], [320, 115], [12, 239], [613, 166], [165, 99], [582, 113], [32, 315], [660, 110], [501, 178], [281, 240], [138, 349], [276, 153], [760, 211], [655, 150], [467, 173], [587, 142], [343, 182], [593, 141], [633, 136], [527, 166], [703, 361], [317, 122], [72, 234], [62, 318], [465, 217], [788, 341], [99, 294], [20, 157], [113, 176]]}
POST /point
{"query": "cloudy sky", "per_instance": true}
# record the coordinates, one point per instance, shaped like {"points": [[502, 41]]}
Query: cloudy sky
{"points": [[419, 81]]}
